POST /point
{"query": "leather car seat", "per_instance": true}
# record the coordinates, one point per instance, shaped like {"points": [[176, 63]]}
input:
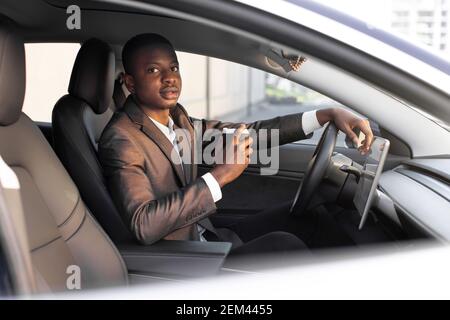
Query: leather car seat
{"points": [[61, 231], [78, 120]]}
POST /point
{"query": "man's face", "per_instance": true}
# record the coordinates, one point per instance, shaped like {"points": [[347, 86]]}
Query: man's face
{"points": [[156, 80]]}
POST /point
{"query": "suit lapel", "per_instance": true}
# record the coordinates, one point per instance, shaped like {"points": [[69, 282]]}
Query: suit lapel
{"points": [[151, 130], [181, 119], [184, 137]]}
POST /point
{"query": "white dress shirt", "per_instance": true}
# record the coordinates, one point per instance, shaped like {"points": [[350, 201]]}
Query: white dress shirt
{"points": [[310, 122]]}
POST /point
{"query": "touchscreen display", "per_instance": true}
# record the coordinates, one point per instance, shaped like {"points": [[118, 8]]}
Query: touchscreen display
{"points": [[370, 175]]}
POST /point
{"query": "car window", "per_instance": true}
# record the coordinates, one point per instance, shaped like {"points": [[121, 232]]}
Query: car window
{"points": [[48, 66], [227, 91]]}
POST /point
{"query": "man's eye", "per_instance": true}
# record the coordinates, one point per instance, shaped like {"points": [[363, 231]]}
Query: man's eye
{"points": [[175, 69], [152, 70]]}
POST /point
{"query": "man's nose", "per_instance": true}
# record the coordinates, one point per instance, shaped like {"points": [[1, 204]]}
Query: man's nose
{"points": [[169, 77]]}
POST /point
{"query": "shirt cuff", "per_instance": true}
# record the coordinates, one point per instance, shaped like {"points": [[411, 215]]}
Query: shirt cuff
{"points": [[213, 186], [310, 122]]}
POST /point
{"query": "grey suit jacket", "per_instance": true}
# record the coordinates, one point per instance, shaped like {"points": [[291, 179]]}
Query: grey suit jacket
{"points": [[158, 199]]}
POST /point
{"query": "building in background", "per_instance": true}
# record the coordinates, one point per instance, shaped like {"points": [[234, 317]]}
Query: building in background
{"points": [[427, 21], [422, 21]]}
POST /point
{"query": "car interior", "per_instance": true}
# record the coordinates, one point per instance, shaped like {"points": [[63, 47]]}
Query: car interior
{"points": [[67, 217]]}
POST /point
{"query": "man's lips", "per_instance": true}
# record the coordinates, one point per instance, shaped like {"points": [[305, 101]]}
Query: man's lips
{"points": [[169, 92]]}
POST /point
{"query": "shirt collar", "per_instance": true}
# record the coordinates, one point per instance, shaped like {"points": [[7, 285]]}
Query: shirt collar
{"points": [[167, 130]]}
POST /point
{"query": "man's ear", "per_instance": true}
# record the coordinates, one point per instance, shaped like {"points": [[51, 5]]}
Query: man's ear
{"points": [[129, 82]]}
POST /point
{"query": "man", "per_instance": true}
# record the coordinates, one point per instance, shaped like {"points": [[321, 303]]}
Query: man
{"points": [[161, 198]]}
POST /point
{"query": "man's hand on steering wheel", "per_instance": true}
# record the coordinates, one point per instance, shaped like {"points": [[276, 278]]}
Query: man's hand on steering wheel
{"points": [[346, 121], [339, 119]]}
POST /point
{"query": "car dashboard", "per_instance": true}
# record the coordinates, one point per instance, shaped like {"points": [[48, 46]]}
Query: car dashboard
{"points": [[417, 192]]}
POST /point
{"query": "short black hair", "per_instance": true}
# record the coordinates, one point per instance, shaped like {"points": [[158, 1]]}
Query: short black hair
{"points": [[138, 42]]}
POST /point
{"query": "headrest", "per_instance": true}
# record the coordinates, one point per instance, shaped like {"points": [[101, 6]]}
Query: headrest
{"points": [[12, 74], [92, 78]]}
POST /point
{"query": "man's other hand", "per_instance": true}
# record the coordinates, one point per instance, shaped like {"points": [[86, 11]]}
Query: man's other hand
{"points": [[235, 160], [346, 121]]}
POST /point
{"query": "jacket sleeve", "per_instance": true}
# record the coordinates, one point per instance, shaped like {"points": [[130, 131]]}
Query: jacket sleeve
{"points": [[149, 218], [289, 126]]}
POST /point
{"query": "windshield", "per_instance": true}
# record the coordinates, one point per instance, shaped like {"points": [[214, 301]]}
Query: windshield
{"points": [[403, 33], [417, 28], [420, 28]]}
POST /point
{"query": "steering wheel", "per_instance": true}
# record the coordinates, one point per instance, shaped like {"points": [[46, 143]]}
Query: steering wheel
{"points": [[316, 169]]}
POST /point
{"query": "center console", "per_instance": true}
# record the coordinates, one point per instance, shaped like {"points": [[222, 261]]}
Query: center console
{"points": [[174, 259]]}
